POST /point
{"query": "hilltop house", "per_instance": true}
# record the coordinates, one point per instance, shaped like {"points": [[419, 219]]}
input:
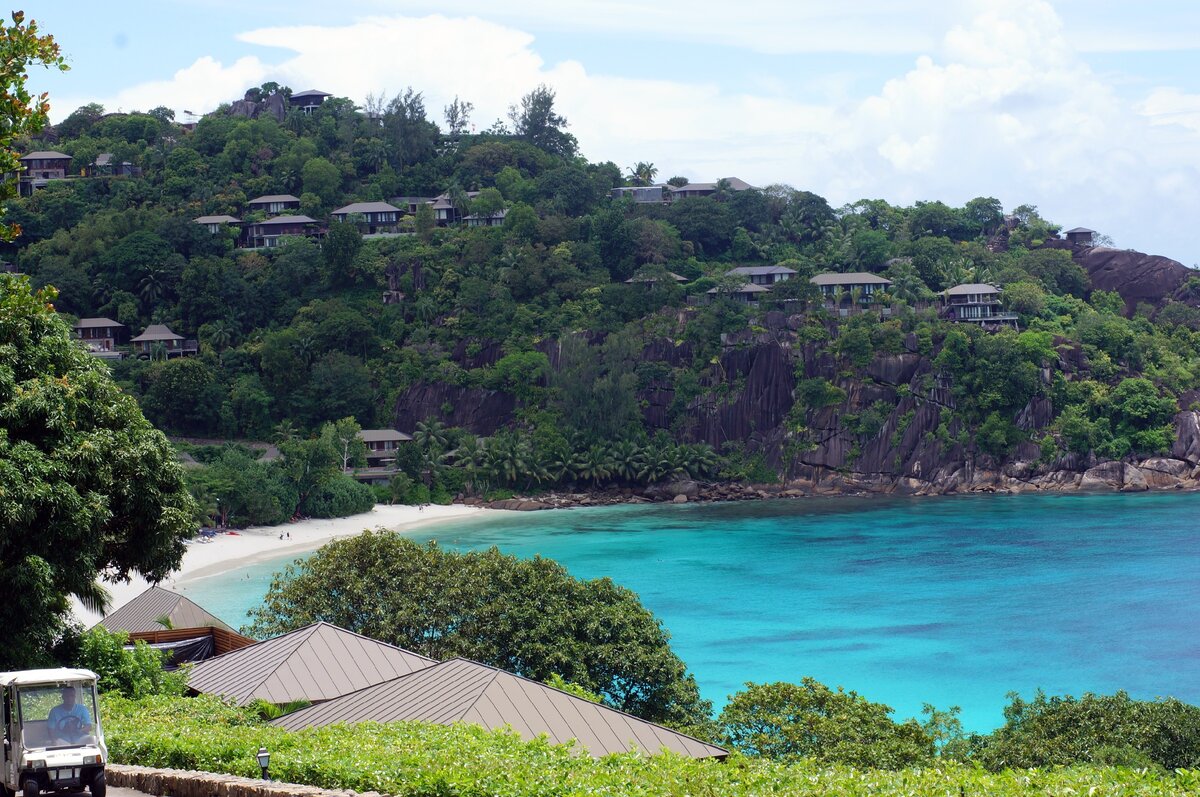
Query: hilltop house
{"points": [[764, 275], [747, 294], [308, 101], [643, 194], [40, 168], [976, 303], [444, 210], [375, 216], [105, 166], [495, 219], [270, 233], [707, 189], [161, 335], [381, 445], [216, 223], [834, 286], [274, 203], [1080, 236], [102, 336]]}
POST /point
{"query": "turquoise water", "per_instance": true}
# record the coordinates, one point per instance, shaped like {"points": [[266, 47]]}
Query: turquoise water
{"points": [[951, 601]]}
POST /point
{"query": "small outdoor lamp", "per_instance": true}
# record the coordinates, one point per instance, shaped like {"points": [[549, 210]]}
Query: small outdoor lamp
{"points": [[264, 761]]}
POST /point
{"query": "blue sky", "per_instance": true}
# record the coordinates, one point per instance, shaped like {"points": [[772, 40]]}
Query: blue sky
{"points": [[1089, 109]]}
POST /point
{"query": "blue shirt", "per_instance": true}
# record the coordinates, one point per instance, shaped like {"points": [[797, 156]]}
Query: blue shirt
{"points": [[59, 726]]}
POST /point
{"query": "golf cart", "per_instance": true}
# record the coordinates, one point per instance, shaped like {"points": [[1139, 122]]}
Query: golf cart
{"points": [[52, 736]]}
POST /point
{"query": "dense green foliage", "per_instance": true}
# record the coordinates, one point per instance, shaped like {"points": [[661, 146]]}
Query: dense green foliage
{"points": [[810, 720], [1098, 729], [87, 485], [412, 759], [527, 616], [132, 673]]}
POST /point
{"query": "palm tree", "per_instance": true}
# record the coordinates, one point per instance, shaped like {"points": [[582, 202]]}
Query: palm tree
{"points": [[626, 457], [469, 456], [220, 336], [643, 173], [152, 287], [594, 464], [284, 432], [430, 434]]}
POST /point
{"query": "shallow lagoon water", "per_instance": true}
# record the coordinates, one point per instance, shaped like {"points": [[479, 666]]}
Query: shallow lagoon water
{"points": [[949, 601]]}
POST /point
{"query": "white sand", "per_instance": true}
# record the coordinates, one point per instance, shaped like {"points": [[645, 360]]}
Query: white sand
{"points": [[256, 544]]}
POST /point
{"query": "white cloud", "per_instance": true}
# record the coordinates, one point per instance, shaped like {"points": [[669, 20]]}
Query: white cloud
{"points": [[1001, 104]]}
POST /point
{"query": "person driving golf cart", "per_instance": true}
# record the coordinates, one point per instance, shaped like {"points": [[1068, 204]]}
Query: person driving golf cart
{"points": [[69, 722]]}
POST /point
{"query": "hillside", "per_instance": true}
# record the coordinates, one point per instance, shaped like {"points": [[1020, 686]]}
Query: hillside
{"points": [[583, 318]]}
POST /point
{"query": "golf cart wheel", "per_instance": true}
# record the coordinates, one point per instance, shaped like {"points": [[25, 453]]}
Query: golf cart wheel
{"points": [[30, 788], [97, 786]]}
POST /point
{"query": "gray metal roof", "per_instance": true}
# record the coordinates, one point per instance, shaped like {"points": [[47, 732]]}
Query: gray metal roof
{"points": [[288, 220], [262, 200], [44, 155], [367, 207], [459, 690], [317, 662], [969, 288], [749, 287], [141, 614], [90, 323], [1079, 229], [157, 332], [760, 270], [217, 220], [311, 93], [382, 435], [853, 278]]}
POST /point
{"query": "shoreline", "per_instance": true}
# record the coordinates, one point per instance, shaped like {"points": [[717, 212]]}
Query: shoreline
{"points": [[229, 551]]}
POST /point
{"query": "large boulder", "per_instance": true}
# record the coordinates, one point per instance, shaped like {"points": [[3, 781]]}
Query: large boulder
{"points": [[1105, 476], [1187, 437]]}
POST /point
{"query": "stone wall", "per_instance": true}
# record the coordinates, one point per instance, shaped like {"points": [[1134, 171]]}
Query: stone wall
{"points": [[187, 783]]}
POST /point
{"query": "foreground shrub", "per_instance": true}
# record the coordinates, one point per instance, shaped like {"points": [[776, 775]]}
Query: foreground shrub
{"points": [[412, 760], [810, 720], [1101, 729], [133, 673]]}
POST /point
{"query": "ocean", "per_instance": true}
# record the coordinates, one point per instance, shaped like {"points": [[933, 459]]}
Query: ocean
{"points": [[948, 601]]}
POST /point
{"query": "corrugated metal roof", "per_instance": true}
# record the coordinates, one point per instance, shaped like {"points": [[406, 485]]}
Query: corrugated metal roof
{"points": [[749, 287], [141, 614], [1078, 229], [287, 220], [759, 270], [90, 323], [853, 278], [459, 690], [157, 332], [44, 155], [366, 207], [311, 93], [317, 662], [969, 288], [217, 220], [262, 200], [382, 435]]}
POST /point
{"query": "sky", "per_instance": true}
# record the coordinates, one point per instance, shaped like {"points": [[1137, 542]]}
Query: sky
{"points": [[1088, 109]]}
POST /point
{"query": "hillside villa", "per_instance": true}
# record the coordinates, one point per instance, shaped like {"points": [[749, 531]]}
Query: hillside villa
{"points": [[274, 203], [836, 286], [159, 337], [977, 303], [102, 336], [372, 217]]}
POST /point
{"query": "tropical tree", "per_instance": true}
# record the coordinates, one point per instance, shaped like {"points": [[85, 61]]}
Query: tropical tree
{"points": [[89, 486], [643, 173]]}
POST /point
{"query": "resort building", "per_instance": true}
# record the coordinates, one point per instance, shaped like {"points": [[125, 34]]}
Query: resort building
{"points": [[495, 219], [464, 691], [747, 294], [643, 194], [977, 303], [40, 168], [708, 189], [102, 336], [308, 101], [317, 662], [105, 166], [274, 203], [834, 286], [160, 338], [269, 233], [1080, 236], [765, 275], [372, 217], [216, 223], [382, 445]]}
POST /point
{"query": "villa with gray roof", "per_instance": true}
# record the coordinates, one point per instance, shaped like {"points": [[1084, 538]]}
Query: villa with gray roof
{"points": [[374, 217], [40, 168], [834, 285], [977, 303], [708, 189], [271, 232], [216, 223], [464, 691], [764, 275], [160, 338], [102, 336], [315, 663], [274, 203]]}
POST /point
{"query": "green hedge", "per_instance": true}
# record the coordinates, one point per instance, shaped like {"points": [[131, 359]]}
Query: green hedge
{"points": [[466, 761]]}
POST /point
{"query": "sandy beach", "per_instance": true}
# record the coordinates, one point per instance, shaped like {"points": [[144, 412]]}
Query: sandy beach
{"points": [[255, 544]]}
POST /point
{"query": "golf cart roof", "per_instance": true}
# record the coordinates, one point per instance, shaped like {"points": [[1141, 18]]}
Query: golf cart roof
{"points": [[51, 676]]}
